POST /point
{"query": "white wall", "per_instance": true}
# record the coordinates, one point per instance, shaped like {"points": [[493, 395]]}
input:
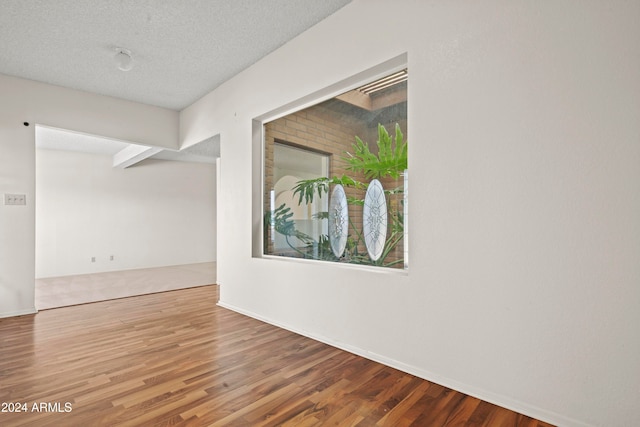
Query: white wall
{"points": [[37, 103], [525, 170], [146, 216]]}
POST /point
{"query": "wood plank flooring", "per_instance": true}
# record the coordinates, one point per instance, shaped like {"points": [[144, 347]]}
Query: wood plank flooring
{"points": [[175, 358]]}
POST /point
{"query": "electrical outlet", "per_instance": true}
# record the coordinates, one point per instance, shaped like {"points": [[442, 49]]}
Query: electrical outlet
{"points": [[15, 199], [111, 258], [93, 259]]}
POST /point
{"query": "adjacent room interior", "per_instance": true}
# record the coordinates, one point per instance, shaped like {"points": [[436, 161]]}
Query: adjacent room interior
{"points": [[109, 229]]}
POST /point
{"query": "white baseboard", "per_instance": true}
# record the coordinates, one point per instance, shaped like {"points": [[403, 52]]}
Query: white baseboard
{"points": [[494, 398], [18, 312]]}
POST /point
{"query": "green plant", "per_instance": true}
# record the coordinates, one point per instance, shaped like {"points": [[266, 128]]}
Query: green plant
{"points": [[390, 161]]}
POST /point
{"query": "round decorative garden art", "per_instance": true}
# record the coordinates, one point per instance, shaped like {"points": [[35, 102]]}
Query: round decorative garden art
{"points": [[338, 221], [374, 220]]}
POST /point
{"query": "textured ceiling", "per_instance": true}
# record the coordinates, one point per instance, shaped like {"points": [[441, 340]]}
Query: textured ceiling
{"points": [[182, 49]]}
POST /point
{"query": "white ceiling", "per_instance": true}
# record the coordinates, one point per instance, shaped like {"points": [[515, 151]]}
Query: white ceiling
{"points": [[182, 49]]}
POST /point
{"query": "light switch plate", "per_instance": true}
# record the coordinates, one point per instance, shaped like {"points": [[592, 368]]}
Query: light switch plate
{"points": [[15, 199]]}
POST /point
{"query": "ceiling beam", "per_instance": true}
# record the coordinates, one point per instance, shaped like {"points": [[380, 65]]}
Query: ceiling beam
{"points": [[356, 98], [388, 99], [133, 154]]}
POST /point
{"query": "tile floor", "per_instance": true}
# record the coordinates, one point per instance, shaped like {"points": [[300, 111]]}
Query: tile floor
{"points": [[71, 290]]}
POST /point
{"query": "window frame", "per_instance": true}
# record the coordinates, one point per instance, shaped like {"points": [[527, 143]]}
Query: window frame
{"points": [[258, 159]]}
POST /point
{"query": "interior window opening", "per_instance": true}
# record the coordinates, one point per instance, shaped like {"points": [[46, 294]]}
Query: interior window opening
{"points": [[336, 178]]}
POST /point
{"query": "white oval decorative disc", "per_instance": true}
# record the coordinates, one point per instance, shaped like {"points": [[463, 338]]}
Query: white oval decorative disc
{"points": [[338, 220], [374, 220]]}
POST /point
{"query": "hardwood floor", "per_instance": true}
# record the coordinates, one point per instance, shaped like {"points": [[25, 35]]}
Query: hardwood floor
{"points": [[175, 358]]}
